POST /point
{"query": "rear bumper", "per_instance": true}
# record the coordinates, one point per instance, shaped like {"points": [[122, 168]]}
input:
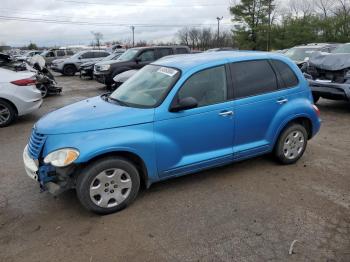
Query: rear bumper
{"points": [[26, 99], [330, 90]]}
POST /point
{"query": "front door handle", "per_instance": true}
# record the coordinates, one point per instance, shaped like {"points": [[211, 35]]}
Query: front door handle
{"points": [[282, 101], [226, 113]]}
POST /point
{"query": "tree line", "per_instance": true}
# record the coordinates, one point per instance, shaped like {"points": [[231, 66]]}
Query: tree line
{"points": [[272, 25], [204, 38]]}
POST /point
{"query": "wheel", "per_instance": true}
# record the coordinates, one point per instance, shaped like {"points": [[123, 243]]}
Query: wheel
{"points": [[43, 90], [291, 144], [69, 70], [7, 113], [316, 97], [108, 185]]}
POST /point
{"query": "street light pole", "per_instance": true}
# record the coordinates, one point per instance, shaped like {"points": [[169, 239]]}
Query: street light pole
{"points": [[133, 35], [219, 19]]}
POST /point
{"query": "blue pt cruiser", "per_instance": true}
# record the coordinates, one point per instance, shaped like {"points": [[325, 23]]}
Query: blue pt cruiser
{"points": [[178, 115]]}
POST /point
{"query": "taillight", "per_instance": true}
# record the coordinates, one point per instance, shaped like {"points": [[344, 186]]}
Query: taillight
{"points": [[316, 110], [25, 82]]}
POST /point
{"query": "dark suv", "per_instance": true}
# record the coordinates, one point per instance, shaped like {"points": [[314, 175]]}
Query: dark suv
{"points": [[134, 58]]}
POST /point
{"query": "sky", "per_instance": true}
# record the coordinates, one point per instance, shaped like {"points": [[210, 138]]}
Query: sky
{"points": [[70, 22]]}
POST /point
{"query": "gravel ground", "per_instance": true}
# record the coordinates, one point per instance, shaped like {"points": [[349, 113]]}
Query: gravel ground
{"points": [[248, 211]]}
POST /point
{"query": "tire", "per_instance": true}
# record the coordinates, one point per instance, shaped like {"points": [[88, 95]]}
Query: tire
{"points": [[8, 113], [69, 70], [316, 97], [289, 152], [108, 185]]}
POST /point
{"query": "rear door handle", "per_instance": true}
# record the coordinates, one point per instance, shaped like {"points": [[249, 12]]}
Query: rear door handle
{"points": [[226, 113], [282, 101]]}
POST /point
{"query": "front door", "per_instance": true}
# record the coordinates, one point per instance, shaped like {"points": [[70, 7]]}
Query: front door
{"points": [[145, 57], [198, 138]]}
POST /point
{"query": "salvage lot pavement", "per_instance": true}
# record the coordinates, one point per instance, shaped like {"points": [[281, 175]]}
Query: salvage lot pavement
{"points": [[248, 211]]}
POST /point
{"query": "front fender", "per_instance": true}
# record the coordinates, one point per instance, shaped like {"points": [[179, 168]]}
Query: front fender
{"points": [[136, 139]]}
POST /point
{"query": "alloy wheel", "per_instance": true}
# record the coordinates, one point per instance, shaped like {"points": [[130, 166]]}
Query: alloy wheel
{"points": [[4, 114]]}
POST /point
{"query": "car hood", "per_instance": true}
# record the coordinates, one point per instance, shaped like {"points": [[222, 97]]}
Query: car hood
{"points": [[110, 62], [330, 61], [92, 114]]}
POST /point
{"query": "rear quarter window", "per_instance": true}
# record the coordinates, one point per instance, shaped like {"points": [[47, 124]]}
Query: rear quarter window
{"points": [[253, 78], [182, 50], [288, 77]]}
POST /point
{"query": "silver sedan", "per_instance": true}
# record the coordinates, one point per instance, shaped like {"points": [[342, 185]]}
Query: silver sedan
{"points": [[18, 95]]}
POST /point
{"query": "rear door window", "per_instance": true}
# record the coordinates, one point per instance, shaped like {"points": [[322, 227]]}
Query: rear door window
{"points": [[164, 52], [69, 52], [288, 77], [101, 54], [253, 78], [87, 55], [61, 53]]}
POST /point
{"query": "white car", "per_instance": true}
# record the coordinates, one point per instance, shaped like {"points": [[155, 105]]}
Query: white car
{"points": [[18, 95]]}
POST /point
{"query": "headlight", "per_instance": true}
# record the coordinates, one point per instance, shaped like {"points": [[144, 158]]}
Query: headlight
{"points": [[62, 157], [104, 67]]}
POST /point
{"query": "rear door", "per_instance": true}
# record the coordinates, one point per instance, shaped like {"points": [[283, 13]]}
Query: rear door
{"points": [[99, 55], [257, 101]]}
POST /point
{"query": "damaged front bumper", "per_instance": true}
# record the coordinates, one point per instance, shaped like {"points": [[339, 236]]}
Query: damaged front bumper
{"points": [[330, 90], [54, 180]]}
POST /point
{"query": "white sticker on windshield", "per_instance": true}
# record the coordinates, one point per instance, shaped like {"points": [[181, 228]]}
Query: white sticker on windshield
{"points": [[167, 71]]}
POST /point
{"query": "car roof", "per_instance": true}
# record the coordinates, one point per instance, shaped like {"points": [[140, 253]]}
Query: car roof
{"points": [[160, 46], [187, 62]]}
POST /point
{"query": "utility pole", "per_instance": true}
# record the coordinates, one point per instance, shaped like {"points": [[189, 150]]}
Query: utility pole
{"points": [[133, 35], [219, 19], [268, 44]]}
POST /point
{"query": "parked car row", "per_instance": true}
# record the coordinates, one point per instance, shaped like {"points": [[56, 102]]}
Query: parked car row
{"points": [[327, 68]]}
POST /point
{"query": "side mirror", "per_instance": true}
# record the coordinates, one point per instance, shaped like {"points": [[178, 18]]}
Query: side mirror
{"points": [[137, 59], [79, 57], [184, 104]]}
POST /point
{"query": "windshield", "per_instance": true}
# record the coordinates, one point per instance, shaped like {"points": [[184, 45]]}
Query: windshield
{"points": [[299, 54], [343, 49], [128, 55], [147, 87], [111, 57]]}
